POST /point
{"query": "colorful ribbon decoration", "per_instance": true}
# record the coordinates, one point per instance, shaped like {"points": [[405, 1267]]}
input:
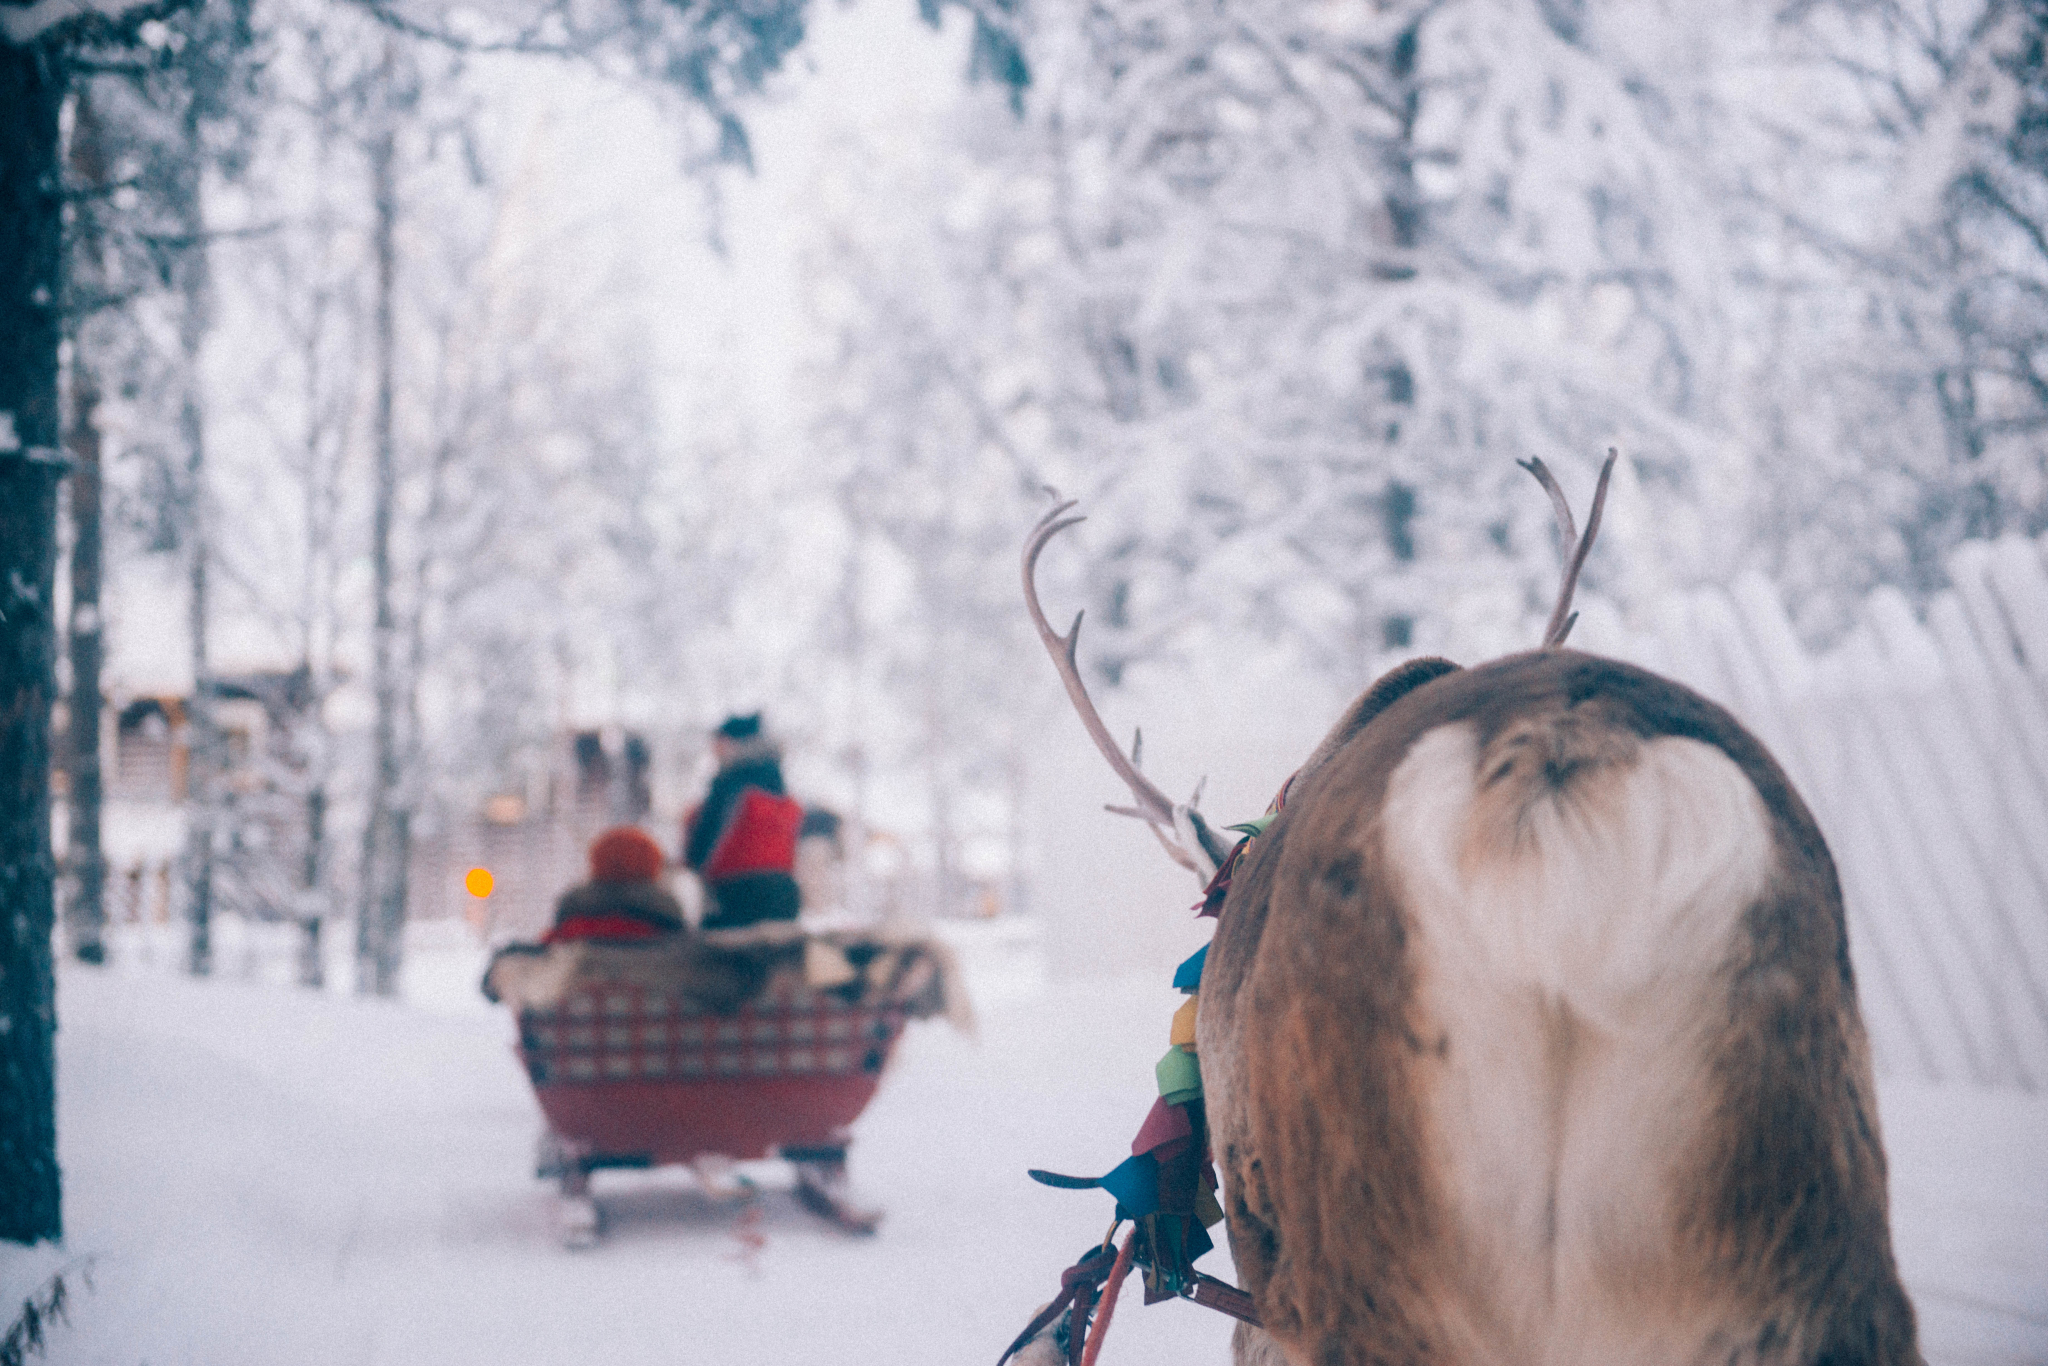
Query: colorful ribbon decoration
{"points": [[1167, 1187]]}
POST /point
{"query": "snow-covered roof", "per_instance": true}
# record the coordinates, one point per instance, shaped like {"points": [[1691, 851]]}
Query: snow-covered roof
{"points": [[148, 639]]}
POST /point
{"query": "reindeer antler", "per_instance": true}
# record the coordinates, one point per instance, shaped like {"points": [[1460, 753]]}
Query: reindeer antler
{"points": [[1176, 827], [1576, 547]]}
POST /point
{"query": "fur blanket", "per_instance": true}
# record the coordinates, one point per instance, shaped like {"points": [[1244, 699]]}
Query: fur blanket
{"points": [[721, 971]]}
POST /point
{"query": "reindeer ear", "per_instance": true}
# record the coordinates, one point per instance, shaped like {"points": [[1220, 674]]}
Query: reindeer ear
{"points": [[1393, 685]]}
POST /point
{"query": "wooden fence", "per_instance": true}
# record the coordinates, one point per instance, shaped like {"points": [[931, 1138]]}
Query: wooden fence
{"points": [[1922, 746]]}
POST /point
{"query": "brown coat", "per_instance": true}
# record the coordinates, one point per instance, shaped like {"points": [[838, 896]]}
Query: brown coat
{"points": [[643, 903]]}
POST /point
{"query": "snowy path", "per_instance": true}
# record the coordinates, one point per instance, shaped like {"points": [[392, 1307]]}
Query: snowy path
{"points": [[262, 1176]]}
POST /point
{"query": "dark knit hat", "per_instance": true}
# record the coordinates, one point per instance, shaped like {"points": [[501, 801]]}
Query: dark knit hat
{"points": [[740, 727], [625, 853]]}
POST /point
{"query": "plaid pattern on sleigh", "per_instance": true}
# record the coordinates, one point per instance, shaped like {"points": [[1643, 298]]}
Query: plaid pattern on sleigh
{"points": [[611, 1032]]}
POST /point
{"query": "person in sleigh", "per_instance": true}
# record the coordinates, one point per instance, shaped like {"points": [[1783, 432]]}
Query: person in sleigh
{"points": [[624, 901], [742, 839]]}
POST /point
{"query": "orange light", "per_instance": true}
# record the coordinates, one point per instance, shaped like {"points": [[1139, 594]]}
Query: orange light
{"points": [[479, 882]]}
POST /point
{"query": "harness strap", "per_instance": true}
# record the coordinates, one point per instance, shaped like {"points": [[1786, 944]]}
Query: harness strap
{"points": [[1076, 1281], [1081, 1285], [1219, 885], [1077, 1321], [1223, 1297]]}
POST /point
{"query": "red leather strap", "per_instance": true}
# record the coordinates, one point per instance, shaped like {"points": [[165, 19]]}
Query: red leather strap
{"points": [[1225, 1298], [1076, 1281]]}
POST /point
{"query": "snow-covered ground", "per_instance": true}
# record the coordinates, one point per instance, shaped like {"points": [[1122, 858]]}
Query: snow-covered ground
{"points": [[264, 1175]]}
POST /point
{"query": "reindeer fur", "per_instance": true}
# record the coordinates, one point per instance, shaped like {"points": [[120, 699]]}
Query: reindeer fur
{"points": [[1529, 1035]]}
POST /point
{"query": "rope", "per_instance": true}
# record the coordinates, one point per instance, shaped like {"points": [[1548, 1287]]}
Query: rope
{"points": [[1108, 1300]]}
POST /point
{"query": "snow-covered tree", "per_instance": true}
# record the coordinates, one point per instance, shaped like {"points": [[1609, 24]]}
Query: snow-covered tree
{"points": [[165, 109], [1295, 286], [926, 436], [1286, 290], [294, 295], [42, 48], [1909, 212]]}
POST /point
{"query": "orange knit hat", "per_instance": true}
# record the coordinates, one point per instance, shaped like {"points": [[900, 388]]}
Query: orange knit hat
{"points": [[625, 853]]}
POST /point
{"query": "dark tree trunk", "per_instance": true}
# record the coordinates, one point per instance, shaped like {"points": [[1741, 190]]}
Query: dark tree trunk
{"points": [[1404, 200], [86, 908], [312, 963], [380, 913], [31, 235], [203, 736]]}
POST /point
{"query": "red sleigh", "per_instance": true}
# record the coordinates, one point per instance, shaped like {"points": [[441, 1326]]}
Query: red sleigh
{"points": [[631, 1075]]}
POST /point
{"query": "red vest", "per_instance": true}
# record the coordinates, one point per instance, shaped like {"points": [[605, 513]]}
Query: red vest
{"points": [[760, 837]]}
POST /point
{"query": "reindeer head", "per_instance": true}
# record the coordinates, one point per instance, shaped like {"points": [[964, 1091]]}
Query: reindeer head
{"points": [[1527, 1033]]}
